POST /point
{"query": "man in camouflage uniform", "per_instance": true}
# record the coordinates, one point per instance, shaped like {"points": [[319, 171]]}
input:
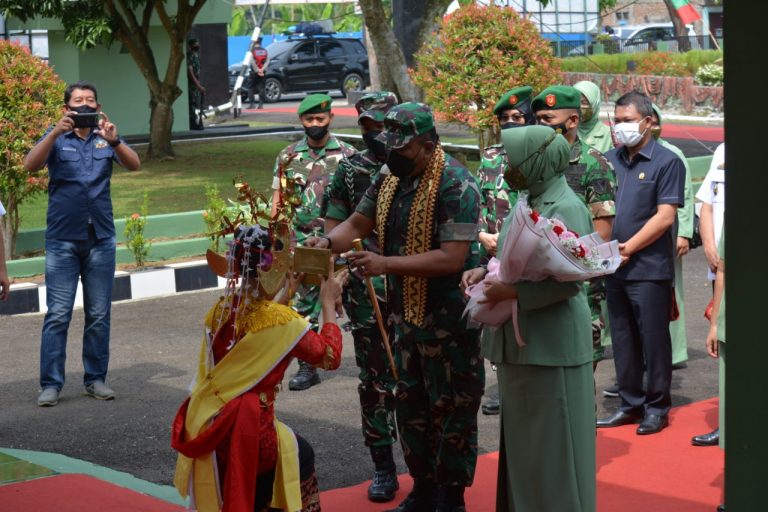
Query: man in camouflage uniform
{"points": [[512, 110], [315, 159], [377, 401], [437, 356], [590, 175]]}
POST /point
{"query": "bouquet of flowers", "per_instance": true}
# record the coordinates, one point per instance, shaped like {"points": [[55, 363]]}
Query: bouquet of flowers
{"points": [[537, 248]]}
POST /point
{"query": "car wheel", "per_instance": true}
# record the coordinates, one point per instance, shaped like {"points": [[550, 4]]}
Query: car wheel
{"points": [[273, 90], [352, 82]]}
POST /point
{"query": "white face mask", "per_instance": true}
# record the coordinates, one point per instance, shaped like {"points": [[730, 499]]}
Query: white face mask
{"points": [[628, 134]]}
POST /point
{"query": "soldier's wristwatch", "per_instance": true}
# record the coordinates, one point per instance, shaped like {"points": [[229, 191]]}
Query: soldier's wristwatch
{"points": [[330, 242]]}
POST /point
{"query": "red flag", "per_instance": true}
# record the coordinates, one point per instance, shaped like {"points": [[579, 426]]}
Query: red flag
{"points": [[686, 11]]}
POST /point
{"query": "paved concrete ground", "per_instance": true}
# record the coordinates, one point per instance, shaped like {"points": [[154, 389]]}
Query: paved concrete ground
{"points": [[154, 347]]}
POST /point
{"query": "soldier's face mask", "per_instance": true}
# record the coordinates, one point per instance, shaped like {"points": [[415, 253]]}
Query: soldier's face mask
{"points": [[376, 147], [316, 132], [515, 178], [399, 165]]}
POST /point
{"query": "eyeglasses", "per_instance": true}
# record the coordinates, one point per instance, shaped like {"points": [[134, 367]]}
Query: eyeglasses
{"points": [[515, 118]]}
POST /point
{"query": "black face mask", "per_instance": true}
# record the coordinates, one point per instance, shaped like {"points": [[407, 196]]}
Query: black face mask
{"points": [[316, 132], [375, 146], [559, 128], [510, 124], [399, 165], [83, 109]]}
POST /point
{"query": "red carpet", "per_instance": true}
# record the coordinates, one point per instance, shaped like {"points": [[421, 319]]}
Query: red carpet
{"points": [[77, 493], [661, 472]]}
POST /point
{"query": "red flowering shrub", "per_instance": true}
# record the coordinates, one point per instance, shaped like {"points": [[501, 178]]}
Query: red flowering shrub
{"points": [[660, 64], [31, 97], [480, 53]]}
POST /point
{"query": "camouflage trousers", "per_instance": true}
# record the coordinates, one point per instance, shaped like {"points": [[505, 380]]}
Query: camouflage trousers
{"points": [[437, 398], [376, 388], [595, 289], [306, 302]]}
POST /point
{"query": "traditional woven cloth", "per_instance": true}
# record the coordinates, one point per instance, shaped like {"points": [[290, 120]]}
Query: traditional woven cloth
{"points": [[420, 229]]}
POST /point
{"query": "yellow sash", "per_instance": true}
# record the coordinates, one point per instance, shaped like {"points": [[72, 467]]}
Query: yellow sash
{"points": [[249, 361]]}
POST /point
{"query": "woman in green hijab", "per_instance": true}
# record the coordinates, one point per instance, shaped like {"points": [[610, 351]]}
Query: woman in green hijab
{"points": [[547, 446], [593, 132]]}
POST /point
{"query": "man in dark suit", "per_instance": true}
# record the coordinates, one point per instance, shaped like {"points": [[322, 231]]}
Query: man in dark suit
{"points": [[651, 182]]}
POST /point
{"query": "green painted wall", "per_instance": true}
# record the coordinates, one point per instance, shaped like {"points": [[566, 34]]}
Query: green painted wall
{"points": [[122, 89]]}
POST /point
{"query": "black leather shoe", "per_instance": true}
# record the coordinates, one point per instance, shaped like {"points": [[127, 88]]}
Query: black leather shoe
{"points": [[651, 424], [492, 407], [710, 439], [617, 419], [305, 378]]}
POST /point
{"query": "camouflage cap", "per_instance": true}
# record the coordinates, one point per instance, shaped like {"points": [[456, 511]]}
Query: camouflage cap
{"points": [[512, 98], [556, 97], [404, 122], [375, 105], [314, 103]]}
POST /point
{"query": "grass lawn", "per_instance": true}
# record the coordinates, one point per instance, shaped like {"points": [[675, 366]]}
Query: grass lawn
{"points": [[179, 185]]}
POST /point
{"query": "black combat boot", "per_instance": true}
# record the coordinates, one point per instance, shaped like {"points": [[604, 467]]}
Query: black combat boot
{"points": [[423, 498], [451, 499], [305, 378], [384, 484]]}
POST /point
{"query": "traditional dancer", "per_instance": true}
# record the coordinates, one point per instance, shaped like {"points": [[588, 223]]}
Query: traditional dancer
{"points": [[235, 456]]}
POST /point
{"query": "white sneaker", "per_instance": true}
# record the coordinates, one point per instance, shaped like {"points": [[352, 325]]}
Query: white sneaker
{"points": [[48, 397], [97, 389]]}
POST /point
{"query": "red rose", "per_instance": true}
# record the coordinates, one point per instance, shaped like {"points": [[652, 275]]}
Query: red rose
{"points": [[534, 215], [558, 230]]}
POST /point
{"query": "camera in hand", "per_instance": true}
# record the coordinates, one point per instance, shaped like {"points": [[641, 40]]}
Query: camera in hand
{"points": [[89, 120]]}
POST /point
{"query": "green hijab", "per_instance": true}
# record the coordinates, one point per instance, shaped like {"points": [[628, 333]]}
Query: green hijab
{"points": [[590, 91], [541, 154]]}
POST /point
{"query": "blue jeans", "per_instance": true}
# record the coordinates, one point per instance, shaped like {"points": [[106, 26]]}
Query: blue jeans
{"points": [[94, 262]]}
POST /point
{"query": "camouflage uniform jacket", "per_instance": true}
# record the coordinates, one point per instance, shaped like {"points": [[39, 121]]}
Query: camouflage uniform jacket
{"points": [[455, 219], [313, 170], [348, 186], [591, 176], [498, 199]]}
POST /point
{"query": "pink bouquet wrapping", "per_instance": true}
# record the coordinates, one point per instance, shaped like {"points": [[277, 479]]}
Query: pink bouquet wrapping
{"points": [[537, 248]]}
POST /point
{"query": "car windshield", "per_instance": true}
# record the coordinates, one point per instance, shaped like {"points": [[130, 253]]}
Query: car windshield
{"points": [[277, 49]]}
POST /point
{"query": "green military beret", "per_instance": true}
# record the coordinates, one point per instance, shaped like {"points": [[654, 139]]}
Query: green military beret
{"points": [[315, 103], [404, 122], [556, 97], [512, 99], [375, 105]]}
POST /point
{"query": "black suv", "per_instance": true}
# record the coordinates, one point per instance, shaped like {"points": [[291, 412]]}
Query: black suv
{"points": [[314, 64]]}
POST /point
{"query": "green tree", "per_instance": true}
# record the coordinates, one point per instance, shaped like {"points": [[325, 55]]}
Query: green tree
{"points": [[31, 95], [479, 53], [88, 23], [393, 70]]}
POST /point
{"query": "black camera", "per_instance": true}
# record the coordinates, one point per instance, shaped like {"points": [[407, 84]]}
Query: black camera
{"points": [[89, 120]]}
